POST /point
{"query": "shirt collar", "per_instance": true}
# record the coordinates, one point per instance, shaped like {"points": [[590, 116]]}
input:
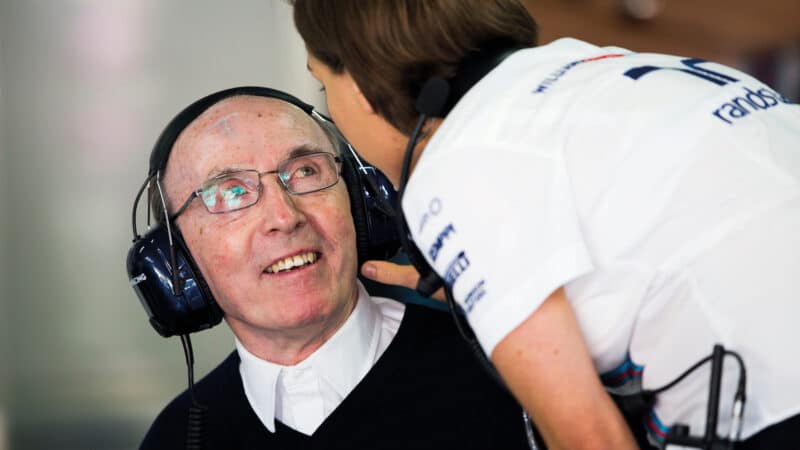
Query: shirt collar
{"points": [[342, 361], [348, 355]]}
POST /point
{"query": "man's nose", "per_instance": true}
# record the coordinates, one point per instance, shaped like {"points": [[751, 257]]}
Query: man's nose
{"points": [[279, 207]]}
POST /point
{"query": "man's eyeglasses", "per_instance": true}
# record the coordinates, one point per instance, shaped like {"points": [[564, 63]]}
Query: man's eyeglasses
{"points": [[241, 189]]}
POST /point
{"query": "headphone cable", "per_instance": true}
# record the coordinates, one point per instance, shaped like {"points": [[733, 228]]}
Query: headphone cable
{"points": [[195, 433], [135, 206], [645, 399]]}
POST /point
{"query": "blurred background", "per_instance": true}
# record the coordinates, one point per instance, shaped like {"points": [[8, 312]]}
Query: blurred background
{"points": [[85, 88]]}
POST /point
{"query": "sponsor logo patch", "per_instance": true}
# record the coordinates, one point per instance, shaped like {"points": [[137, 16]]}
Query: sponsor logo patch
{"points": [[475, 295], [749, 101], [558, 74], [456, 268], [434, 208], [138, 279], [691, 66], [433, 252]]}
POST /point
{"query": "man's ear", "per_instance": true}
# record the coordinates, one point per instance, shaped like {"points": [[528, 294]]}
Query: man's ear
{"points": [[360, 98]]}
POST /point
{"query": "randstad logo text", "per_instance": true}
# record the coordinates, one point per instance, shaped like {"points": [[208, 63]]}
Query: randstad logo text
{"points": [[751, 100]]}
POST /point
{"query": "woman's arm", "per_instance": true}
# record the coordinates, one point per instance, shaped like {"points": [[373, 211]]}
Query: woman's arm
{"points": [[545, 363]]}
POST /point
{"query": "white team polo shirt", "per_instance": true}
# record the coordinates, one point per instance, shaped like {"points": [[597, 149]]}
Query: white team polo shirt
{"points": [[663, 193], [304, 395]]}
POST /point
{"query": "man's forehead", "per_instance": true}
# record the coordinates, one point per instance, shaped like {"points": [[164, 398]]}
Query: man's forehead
{"points": [[276, 114], [235, 117], [244, 132]]}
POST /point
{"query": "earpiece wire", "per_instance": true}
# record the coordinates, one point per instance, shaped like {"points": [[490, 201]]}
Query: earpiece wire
{"points": [[135, 207]]}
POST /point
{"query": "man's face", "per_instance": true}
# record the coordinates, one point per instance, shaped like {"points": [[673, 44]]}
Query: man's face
{"points": [[234, 250]]}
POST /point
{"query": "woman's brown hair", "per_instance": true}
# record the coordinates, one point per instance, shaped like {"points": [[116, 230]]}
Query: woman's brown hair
{"points": [[391, 47]]}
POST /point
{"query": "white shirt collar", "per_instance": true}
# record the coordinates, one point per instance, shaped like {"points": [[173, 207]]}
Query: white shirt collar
{"points": [[341, 362]]}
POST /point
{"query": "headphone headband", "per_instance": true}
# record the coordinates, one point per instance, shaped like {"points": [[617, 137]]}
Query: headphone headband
{"points": [[163, 146]]}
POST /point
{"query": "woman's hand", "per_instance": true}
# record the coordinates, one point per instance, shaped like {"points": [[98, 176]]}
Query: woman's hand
{"points": [[395, 274]]}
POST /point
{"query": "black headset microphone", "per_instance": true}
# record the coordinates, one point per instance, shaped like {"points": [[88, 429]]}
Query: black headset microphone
{"points": [[436, 99], [430, 103]]}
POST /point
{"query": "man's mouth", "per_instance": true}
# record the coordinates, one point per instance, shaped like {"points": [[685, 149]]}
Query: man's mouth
{"points": [[293, 262]]}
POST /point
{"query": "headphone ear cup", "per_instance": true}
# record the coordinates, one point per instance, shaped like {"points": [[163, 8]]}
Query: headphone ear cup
{"points": [[358, 210], [150, 273], [373, 202]]}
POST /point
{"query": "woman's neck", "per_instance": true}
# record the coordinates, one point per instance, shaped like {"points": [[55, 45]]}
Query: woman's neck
{"points": [[428, 130]]}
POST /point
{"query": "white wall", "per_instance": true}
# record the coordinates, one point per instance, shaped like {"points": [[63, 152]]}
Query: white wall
{"points": [[85, 88]]}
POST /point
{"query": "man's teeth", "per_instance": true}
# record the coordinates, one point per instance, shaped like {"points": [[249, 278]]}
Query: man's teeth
{"points": [[292, 261]]}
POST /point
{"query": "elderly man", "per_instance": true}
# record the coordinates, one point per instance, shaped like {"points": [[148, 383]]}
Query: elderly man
{"points": [[253, 185]]}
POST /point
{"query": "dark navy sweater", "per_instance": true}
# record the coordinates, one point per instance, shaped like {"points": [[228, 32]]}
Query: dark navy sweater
{"points": [[427, 391]]}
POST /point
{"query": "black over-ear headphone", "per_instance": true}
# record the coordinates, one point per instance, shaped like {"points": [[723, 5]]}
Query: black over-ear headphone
{"points": [[163, 272]]}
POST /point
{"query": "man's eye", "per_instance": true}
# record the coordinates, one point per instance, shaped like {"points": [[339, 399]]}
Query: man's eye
{"points": [[233, 191], [305, 171]]}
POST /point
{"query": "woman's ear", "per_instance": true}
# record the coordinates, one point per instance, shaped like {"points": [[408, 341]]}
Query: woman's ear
{"points": [[360, 98]]}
